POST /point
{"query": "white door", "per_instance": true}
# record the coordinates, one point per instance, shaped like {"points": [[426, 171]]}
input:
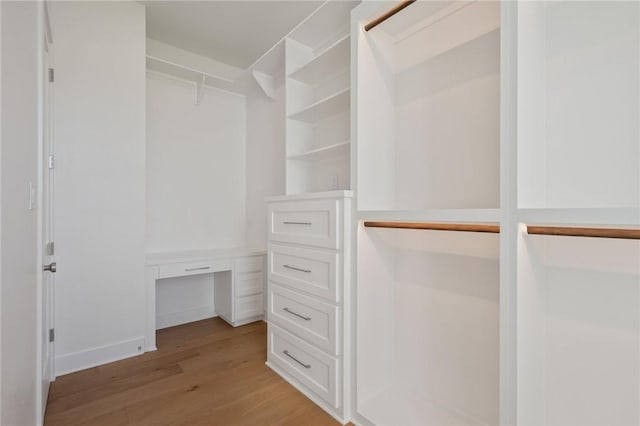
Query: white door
{"points": [[48, 247]]}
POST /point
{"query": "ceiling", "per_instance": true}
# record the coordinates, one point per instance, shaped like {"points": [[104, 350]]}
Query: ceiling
{"points": [[234, 32]]}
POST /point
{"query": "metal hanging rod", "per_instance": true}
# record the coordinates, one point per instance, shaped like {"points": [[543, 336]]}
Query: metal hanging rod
{"points": [[573, 231], [380, 19], [464, 227]]}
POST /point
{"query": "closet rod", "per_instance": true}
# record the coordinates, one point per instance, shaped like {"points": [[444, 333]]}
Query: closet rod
{"points": [[572, 231], [380, 19], [465, 227]]}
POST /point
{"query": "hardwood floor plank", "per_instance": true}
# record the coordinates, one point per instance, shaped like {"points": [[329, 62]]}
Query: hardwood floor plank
{"points": [[205, 372]]}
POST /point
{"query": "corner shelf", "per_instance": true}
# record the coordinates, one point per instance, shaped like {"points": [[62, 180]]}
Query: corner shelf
{"points": [[323, 153], [323, 66], [324, 108]]}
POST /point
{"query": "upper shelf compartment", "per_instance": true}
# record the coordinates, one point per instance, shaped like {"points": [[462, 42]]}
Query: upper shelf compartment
{"points": [[428, 106], [327, 63], [578, 105]]}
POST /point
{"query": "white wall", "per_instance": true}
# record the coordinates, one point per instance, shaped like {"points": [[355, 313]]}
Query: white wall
{"points": [[195, 185], [195, 167], [265, 161], [20, 31], [99, 135]]}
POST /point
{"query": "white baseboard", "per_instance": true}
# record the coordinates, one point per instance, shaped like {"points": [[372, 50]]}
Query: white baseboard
{"points": [[330, 410], [182, 317], [93, 357]]}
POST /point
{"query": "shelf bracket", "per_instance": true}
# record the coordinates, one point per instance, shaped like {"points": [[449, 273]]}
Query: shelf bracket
{"points": [[200, 89], [266, 83]]}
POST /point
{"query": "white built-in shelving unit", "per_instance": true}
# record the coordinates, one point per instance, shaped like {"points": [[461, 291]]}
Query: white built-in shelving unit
{"points": [[524, 116], [427, 125], [577, 164], [318, 101]]}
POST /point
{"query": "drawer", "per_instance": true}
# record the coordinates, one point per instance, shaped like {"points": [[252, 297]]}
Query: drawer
{"points": [[311, 367], [193, 268], [249, 306], [312, 223], [248, 284], [308, 318], [250, 264], [310, 270]]}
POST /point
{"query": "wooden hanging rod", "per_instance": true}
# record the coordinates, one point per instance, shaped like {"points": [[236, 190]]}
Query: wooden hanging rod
{"points": [[572, 231], [465, 227], [380, 19]]}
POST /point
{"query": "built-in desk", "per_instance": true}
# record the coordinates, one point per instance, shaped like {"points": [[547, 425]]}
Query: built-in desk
{"points": [[238, 276]]}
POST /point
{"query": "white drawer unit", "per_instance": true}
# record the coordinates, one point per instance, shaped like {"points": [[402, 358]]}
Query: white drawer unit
{"points": [[247, 294], [310, 270], [249, 284], [192, 268], [306, 364], [249, 264], [308, 285], [248, 307], [308, 318], [313, 223]]}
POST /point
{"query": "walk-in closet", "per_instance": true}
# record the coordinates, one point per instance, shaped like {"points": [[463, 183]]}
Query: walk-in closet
{"points": [[300, 212]]}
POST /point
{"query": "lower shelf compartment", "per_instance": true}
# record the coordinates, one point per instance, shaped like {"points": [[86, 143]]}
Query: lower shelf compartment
{"points": [[427, 327], [398, 406]]}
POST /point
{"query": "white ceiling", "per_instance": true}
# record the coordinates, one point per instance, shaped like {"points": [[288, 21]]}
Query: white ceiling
{"points": [[234, 32]]}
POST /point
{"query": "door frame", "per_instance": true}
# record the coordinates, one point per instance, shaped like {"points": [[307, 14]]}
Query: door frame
{"points": [[45, 366]]}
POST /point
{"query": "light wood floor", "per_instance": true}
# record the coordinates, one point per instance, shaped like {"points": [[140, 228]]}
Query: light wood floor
{"points": [[204, 373]]}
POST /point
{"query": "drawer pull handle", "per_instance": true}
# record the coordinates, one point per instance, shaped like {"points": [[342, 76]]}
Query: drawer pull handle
{"points": [[296, 360], [296, 314], [204, 268], [298, 223], [308, 271]]}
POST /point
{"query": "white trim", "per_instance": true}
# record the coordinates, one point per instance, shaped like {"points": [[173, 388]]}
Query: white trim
{"points": [[1, 121], [100, 355], [185, 316]]}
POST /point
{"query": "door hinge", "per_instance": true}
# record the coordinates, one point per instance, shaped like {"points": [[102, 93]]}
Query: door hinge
{"points": [[52, 163], [51, 248], [52, 335], [51, 75]]}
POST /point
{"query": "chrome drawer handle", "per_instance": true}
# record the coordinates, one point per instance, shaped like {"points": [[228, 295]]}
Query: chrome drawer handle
{"points": [[296, 360], [298, 223], [308, 271], [198, 269], [296, 314]]}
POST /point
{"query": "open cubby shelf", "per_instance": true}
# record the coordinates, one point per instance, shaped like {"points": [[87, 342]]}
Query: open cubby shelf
{"points": [[520, 125], [331, 61], [329, 106], [325, 152], [427, 109], [318, 101]]}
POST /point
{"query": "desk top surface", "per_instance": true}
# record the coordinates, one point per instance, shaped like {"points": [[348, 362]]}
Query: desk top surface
{"points": [[163, 258]]}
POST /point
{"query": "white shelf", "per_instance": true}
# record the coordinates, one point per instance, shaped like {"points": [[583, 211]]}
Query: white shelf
{"points": [[580, 216], [324, 108], [324, 153], [331, 61], [436, 215], [328, 21]]}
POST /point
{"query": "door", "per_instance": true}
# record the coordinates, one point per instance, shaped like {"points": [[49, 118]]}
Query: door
{"points": [[46, 372]]}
